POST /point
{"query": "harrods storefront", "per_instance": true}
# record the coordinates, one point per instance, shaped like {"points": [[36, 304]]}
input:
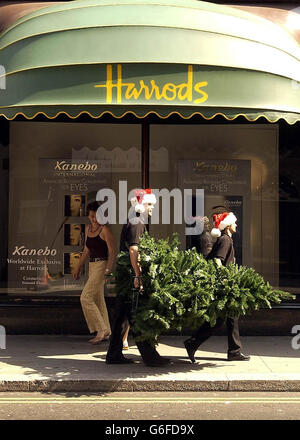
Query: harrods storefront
{"points": [[173, 94]]}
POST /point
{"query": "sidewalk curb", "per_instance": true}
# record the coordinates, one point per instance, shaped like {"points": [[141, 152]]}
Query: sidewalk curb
{"points": [[150, 386]]}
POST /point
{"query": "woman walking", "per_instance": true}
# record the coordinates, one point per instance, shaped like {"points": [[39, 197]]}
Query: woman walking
{"points": [[100, 246]]}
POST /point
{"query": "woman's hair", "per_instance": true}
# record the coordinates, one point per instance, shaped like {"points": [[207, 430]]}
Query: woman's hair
{"points": [[93, 206]]}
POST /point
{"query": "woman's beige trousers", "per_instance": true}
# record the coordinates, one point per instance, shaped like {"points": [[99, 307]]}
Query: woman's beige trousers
{"points": [[93, 301]]}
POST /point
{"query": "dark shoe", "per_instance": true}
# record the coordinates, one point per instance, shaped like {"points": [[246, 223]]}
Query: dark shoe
{"points": [[157, 362], [122, 360], [150, 355], [237, 357], [164, 360], [191, 350]]}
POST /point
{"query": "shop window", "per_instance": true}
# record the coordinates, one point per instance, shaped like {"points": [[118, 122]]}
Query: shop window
{"points": [[289, 207], [237, 166], [56, 169], [244, 168]]}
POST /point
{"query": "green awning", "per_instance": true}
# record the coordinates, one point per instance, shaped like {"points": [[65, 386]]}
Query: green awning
{"points": [[164, 57]]}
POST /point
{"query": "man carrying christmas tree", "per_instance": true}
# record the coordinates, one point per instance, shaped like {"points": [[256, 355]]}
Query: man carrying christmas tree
{"points": [[223, 254], [143, 203]]}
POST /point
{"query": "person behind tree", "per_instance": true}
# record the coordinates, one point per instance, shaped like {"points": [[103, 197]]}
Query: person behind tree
{"points": [[223, 254], [143, 203], [202, 242]]}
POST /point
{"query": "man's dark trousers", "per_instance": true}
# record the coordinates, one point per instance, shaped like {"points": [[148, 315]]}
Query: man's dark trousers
{"points": [[205, 331], [122, 314]]}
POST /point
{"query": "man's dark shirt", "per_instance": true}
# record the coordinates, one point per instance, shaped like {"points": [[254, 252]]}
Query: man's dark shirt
{"points": [[223, 249], [130, 235]]}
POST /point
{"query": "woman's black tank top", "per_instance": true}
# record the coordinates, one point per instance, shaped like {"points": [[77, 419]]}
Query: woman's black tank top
{"points": [[97, 247]]}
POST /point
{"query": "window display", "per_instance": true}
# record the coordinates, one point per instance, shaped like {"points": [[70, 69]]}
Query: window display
{"points": [[74, 235], [75, 205], [237, 167], [240, 167], [50, 189], [226, 185], [71, 261]]}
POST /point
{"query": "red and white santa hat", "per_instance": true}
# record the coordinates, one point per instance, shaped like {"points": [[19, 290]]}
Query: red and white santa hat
{"points": [[221, 221], [141, 197]]}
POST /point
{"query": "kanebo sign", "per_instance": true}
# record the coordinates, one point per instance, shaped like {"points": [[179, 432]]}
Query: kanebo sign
{"points": [[64, 166], [22, 250]]}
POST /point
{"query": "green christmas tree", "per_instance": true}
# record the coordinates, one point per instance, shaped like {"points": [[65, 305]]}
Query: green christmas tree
{"points": [[181, 289]]}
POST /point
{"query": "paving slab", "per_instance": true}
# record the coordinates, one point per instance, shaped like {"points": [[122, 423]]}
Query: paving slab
{"points": [[70, 363]]}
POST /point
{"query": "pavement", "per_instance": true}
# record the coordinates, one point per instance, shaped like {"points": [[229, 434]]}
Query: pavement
{"points": [[69, 363]]}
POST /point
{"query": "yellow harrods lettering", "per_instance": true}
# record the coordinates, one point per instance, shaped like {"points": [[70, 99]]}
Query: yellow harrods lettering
{"points": [[201, 92], [169, 88], [188, 86], [168, 91]]}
